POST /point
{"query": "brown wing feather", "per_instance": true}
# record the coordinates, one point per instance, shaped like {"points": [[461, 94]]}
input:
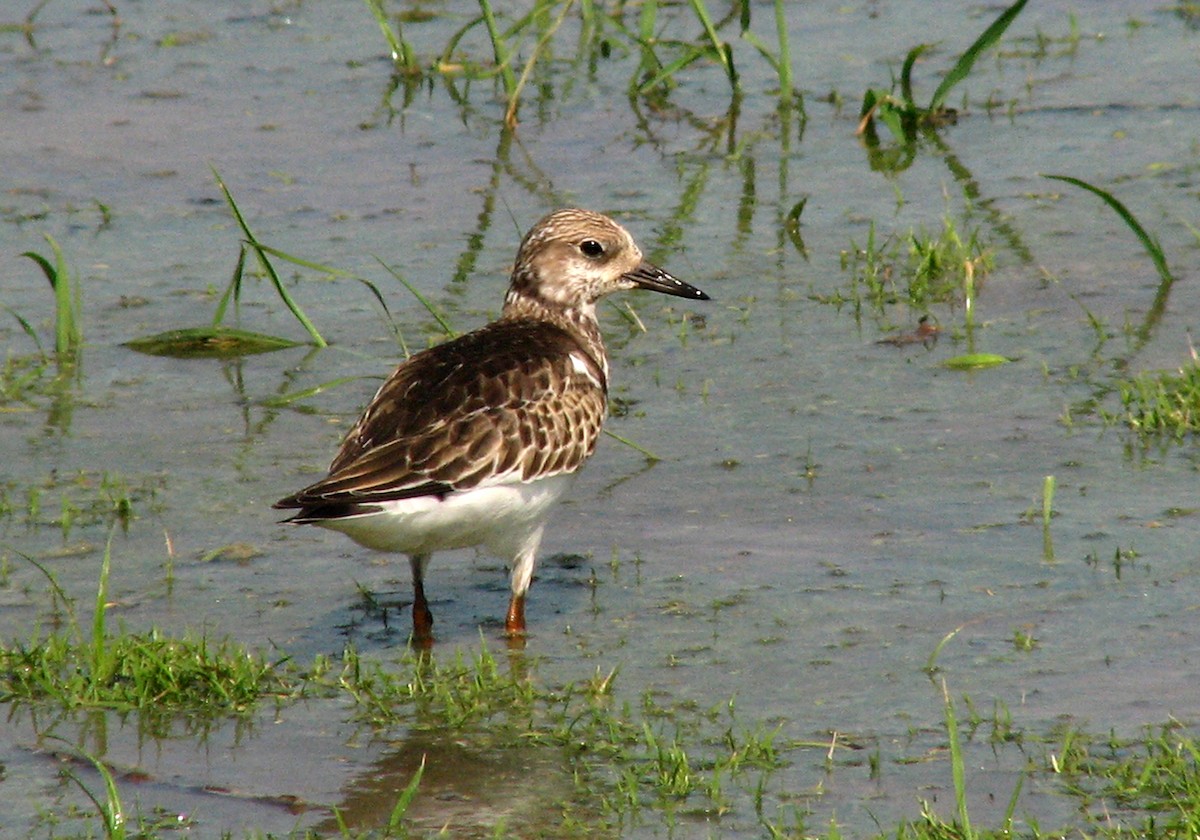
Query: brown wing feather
{"points": [[505, 399]]}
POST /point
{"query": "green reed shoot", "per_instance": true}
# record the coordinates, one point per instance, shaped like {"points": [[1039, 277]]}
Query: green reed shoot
{"points": [[1149, 242], [403, 56], [68, 333], [1048, 485]]}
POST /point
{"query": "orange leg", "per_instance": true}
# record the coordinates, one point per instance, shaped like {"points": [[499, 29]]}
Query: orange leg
{"points": [[522, 574], [421, 616], [514, 623]]}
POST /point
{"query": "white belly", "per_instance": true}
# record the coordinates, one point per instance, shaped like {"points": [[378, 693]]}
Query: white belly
{"points": [[501, 517]]}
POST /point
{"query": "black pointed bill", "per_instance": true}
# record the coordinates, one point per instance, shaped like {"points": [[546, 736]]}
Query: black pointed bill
{"points": [[648, 276]]}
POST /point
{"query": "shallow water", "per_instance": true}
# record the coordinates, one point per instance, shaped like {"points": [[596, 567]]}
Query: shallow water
{"points": [[817, 599]]}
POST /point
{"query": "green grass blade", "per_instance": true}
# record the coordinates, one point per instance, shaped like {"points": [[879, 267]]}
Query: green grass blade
{"points": [[338, 272], [1048, 485], [111, 811], [906, 91], [784, 66], [402, 54], [282, 291], [957, 764], [931, 665], [647, 23], [649, 456], [1010, 812], [966, 61], [67, 601], [233, 291], [429, 307], [394, 826], [499, 48], [974, 361], [284, 400], [99, 641], [303, 263], [791, 226], [67, 333], [763, 50], [27, 328], [514, 99], [723, 51], [260, 251], [1148, 241], [671, 69]]}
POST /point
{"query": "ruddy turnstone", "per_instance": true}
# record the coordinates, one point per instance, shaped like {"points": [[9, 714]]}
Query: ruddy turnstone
{"points": [[471, 442]]}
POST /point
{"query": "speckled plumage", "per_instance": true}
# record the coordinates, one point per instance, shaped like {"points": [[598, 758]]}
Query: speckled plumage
{"points": [[472, 441]]}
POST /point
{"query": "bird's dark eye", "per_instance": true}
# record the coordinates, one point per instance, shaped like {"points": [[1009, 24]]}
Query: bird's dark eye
{"points": [[591, 248]]}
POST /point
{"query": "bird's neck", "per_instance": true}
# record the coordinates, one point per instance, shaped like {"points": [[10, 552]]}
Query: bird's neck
{"points": [[579, 321]]}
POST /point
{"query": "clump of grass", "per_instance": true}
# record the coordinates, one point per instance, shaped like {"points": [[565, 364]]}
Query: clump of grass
{"points": [[1162, 402], [917, 270], [454, 694], [944, 266], [1142, 787], [604, 34], [900, 112], [146, 672], [1023, 640]]}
